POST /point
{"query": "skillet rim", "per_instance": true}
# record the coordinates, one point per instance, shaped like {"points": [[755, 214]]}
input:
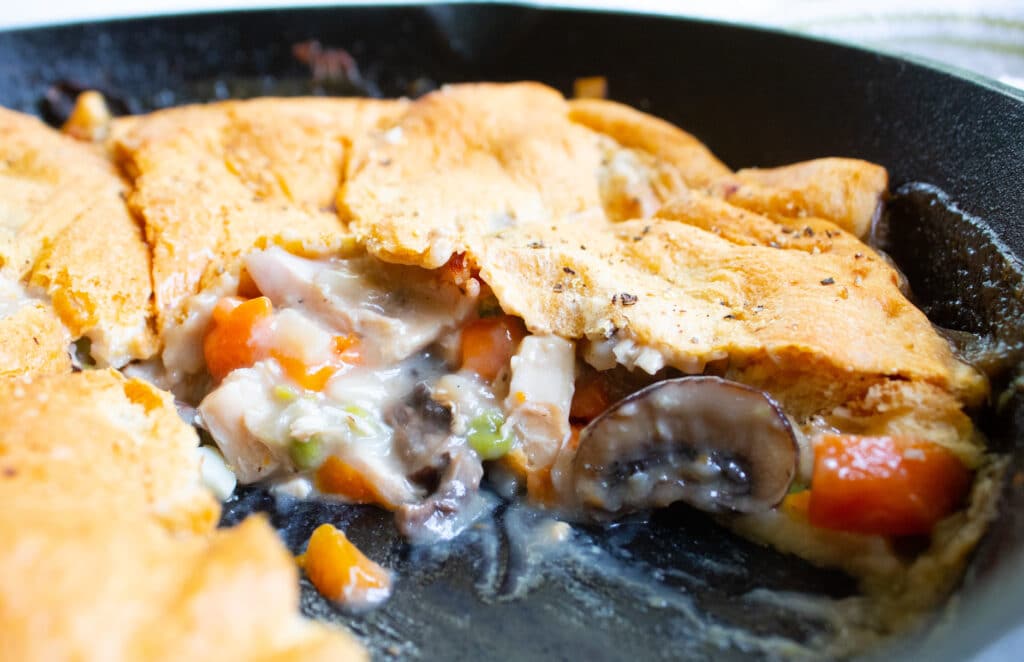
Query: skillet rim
{"points": [[939, 66]]}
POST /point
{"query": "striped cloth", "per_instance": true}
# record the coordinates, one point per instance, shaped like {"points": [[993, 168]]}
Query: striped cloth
{"points": [[983, 36]]}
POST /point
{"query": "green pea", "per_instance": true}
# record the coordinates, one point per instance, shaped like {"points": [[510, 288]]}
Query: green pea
{"points": [[285, 393], [306, 454], [486, 436]]}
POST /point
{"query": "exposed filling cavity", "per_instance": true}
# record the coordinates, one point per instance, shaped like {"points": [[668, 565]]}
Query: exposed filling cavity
{"points": [[380, 383], [344, 376]]}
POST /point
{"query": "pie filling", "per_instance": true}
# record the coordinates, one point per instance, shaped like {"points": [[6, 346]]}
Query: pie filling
{"points": [[378, 383]]}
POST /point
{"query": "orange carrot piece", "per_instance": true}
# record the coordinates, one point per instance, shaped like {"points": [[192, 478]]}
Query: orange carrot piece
{"points": [[488, 344], [347, 349], [236, 339], [884, 485], [335, 476], [590, 398], [340, 571]]}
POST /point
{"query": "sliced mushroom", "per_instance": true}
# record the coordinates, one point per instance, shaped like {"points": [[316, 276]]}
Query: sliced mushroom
{"points": [[451, 508], [717, 445]]}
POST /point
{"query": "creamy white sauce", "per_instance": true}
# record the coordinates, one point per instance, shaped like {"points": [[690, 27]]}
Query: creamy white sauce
{"points": [[183, 341], [103, 340], [467, 396], [268, 426], [214, 473], [396, 310]]}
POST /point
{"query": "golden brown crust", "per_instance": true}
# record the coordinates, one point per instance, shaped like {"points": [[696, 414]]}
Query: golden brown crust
{"points": [[64, 228], [632, 129], [467, 160], [747, 228], [211, 181], [97, 441], [104, 521], [847, 192], [810, 320], [110, 586], [509, 175], [33, 342]]}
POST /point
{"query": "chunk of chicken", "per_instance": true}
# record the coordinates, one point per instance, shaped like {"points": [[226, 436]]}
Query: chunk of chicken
{"points": [[396, 310]]}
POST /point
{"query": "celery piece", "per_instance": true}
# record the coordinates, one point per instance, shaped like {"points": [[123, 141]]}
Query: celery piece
{"points": [[306, 454], [486, 436], [285, 393], [361, 422]]}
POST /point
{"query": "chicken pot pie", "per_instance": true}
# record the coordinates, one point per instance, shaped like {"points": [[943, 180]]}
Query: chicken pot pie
{"points": [[381, 301]]}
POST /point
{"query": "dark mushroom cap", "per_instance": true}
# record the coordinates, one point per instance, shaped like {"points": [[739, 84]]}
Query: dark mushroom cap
{"points": [[715, 444]]}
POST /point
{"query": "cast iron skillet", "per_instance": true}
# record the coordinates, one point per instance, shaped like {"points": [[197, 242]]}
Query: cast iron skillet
{"points": [[660, 588]]}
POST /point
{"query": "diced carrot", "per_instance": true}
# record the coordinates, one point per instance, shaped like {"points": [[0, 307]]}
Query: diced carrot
{"points": [[310, 378], [335, 476], [488, 344], [241, 335], [236, 339], [590, 398], [884, 485], [340, 571], [347, 349]]}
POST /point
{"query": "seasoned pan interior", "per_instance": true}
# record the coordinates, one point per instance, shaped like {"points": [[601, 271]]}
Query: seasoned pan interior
{"points": [[673, 584]]}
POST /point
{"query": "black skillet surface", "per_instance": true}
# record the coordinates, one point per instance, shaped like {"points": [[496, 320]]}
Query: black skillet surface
{"points": [[669, 587]]}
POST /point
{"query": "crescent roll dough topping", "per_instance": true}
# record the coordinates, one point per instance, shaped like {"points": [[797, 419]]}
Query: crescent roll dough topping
{"points": [[210, 181], [96, 441], [66, 232], [510, 176]]}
